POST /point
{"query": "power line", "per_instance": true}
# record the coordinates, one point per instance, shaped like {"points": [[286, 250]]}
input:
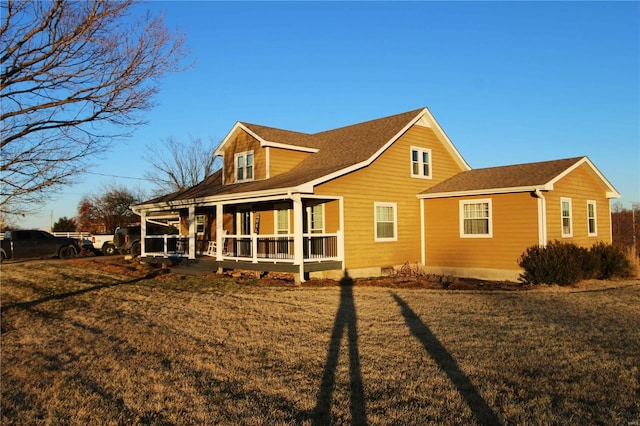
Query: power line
{"points": [[119, 177]]}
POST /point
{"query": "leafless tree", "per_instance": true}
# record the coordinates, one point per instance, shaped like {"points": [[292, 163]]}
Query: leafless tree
{"points": [[74, 76], [105, 211], [178, 165]]}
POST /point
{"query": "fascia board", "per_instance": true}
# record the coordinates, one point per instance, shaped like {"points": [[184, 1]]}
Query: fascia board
{"points": [[612, 191], [488, 191], [245, 197], [443, 137], [370, 160], [287, 146]]}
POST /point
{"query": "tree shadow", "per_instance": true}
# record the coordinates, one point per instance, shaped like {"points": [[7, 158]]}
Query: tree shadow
{"points": [[479, 407], [61, 296], [345, 319]]}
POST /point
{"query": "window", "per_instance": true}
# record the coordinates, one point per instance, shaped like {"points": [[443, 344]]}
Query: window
{"points": [[244, 166], [282, 219], [386, 222], [475, 219], [591, 219], [200, 224], [421, 163], [316, 219], [565, 207]]}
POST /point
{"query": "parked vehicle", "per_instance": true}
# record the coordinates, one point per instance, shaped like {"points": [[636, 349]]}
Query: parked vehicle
{"points": [[104, 243], [127, 240], [101, 243], [20, 244]]}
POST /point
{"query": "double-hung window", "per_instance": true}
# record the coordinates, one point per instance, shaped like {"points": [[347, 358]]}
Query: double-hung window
{"points": [[592, 226], [565, 209], [386, 222], [420, 163], [475, 219], [200, 224], [244, 166]]}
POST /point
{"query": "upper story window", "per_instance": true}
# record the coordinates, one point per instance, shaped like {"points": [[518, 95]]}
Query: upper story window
{"points": [[475, 219], [244, 166], [591, 219], [565, 208], [420, 163]]}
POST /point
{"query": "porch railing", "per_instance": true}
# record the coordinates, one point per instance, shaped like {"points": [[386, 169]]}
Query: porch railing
{"points": [[279, 247], [166, 245]]}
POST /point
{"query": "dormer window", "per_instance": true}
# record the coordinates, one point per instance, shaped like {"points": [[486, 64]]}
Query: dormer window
{"points": [[244, 166]]}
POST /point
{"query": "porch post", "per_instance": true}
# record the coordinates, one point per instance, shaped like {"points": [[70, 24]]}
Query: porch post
{"points": [[341, 233], [143, 233], [219, 231], [298, 239], [192, 231]]}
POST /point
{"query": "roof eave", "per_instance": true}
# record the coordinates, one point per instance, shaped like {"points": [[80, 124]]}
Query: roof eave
{"points": [[487, 191]]}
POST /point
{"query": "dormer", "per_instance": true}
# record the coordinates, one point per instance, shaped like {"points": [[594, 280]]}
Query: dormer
{"points": [[252, 152]]}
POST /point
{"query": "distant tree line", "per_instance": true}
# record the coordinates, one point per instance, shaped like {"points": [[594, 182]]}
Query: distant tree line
{"points": [[625, 224]]}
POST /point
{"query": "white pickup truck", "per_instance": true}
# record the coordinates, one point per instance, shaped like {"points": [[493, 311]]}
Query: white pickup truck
{"points": [[102, 242]]}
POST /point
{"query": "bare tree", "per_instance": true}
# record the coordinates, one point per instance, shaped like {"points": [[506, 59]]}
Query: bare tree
{"points": [[105, 211], [177, 165], [74, 76]]}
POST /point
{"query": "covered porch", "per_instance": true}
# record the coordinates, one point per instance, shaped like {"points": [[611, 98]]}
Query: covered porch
{"points": [[291, 233]]}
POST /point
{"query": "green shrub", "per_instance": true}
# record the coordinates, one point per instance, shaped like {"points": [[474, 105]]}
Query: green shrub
{"points": [[612, 262], [566, 263], [557, 263]]}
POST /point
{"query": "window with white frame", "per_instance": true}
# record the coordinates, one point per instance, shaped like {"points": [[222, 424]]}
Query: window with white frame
{"points": [[420, 163], [592, 226], [315, 216], [476, 219], [565, 210], [200, 224], [244, 166], [282, 219], [386, 222]]}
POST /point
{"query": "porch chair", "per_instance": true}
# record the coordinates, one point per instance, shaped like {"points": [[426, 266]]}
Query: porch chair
{"points": [[211, 250]]}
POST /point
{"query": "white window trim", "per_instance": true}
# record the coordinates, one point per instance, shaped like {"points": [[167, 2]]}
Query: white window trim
{"points": [[309, 228], [461, 205], [244, 167], [420, 151], [204, 224], [570, 233], [278, 208], [595, 218], [394, 206]]}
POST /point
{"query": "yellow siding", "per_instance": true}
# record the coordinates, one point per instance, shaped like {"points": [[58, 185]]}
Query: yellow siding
{"points": [[244, 142], [362, 188], [580, 185], [515, 227], [283, 160]]}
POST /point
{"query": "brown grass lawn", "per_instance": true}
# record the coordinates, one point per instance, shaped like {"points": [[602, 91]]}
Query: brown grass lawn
{"points": [[88, 346]]}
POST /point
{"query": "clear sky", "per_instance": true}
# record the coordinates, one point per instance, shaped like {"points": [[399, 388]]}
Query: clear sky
{"points": [[509, 82]]}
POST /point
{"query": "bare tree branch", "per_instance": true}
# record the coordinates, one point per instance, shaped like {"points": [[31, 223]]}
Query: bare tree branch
{"points": [[177, 165], [73, 77]]}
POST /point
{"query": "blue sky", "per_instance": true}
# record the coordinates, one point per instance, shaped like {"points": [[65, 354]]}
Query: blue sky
{"points": [[509, 82]]}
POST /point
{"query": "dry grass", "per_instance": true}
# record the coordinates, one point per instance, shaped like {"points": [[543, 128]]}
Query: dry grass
{"points": [[85, 346]]}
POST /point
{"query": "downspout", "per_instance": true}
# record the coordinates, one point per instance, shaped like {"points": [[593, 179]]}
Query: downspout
{"points": [[542, 217], [423, 243]]}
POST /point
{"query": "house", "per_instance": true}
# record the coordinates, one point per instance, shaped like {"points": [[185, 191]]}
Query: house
{"points": [[372, 196]]}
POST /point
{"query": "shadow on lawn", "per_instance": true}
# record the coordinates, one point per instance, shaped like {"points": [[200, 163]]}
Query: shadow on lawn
{"points": [[480, 409], [345, 318], [36, 302]]}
